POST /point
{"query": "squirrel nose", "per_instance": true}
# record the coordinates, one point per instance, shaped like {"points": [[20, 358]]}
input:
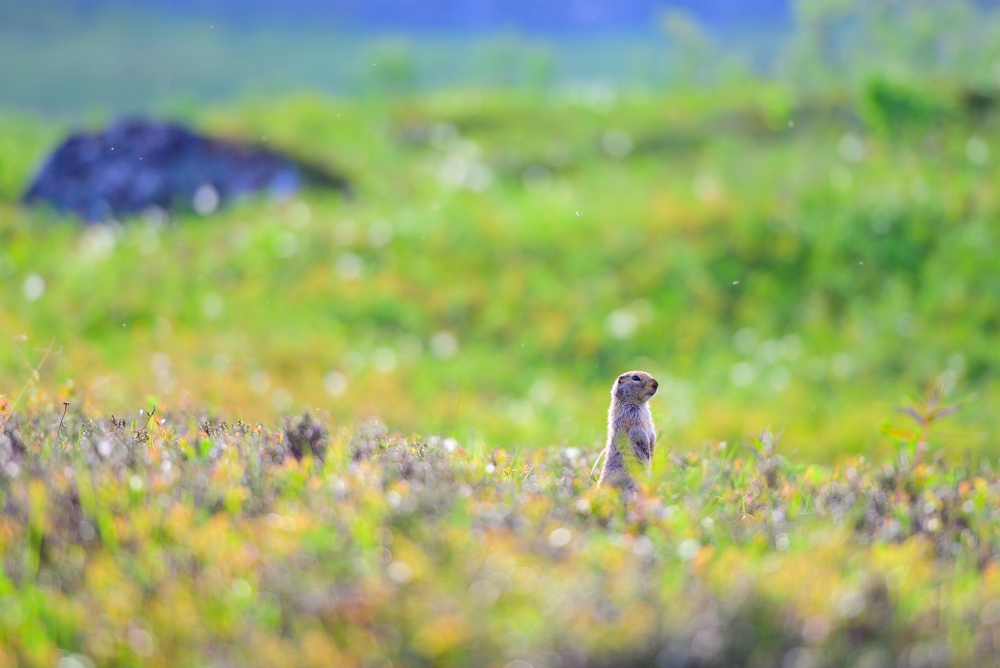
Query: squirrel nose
{"points": [[655, 384]]}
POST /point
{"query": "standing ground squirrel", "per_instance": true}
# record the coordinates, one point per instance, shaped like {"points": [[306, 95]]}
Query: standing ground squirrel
{"points": [[631, 433]]}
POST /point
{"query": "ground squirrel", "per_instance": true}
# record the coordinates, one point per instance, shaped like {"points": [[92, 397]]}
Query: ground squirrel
{"points": [[631, 433]]}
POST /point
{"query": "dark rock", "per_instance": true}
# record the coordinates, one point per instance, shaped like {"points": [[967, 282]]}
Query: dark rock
{"points": [[137, 164]]}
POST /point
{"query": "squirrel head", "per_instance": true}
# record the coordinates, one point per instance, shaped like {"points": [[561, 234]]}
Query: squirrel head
{"points": [[635, 387]]}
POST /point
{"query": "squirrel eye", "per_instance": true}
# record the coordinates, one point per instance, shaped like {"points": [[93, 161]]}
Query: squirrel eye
{"points": [[635, 377]]}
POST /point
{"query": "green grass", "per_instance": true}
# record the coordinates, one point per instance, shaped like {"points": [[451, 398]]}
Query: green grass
{"points": [[799, 264], [804, 258], [774, 261], [181, 542]]}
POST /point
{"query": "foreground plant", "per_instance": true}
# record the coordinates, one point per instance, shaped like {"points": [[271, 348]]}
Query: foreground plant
{"points": [[176, 540]]}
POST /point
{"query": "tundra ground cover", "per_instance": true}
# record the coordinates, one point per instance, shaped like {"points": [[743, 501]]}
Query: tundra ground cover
{"points": [[182, 541], [775, 259], [799, 253]]}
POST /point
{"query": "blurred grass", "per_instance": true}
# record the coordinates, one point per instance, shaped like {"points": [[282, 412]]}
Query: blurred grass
{"points": [[797, 263], [179, 541], [804, 254]]}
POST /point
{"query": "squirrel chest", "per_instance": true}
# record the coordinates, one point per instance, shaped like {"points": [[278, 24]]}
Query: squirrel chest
{"points": [[631, 433]]}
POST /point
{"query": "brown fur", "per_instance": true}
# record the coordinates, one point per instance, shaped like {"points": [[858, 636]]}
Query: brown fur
{"points": [[631, 433]]}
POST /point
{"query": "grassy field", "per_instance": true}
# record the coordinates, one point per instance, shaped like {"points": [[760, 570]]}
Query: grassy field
{"points": [[814, 263], [797, 264], [178, 541]]}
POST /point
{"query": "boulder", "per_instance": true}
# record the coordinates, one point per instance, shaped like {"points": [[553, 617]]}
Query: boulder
{"points": [[137, 164]]}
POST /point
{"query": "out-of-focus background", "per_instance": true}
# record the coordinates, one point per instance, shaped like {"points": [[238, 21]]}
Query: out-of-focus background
{"points": [[472, 217], [784, 210], [76, 55]]}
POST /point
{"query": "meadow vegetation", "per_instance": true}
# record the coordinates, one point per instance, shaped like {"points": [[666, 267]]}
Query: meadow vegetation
{"points": [[182, 541], [774, 261], [359, 431]]}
